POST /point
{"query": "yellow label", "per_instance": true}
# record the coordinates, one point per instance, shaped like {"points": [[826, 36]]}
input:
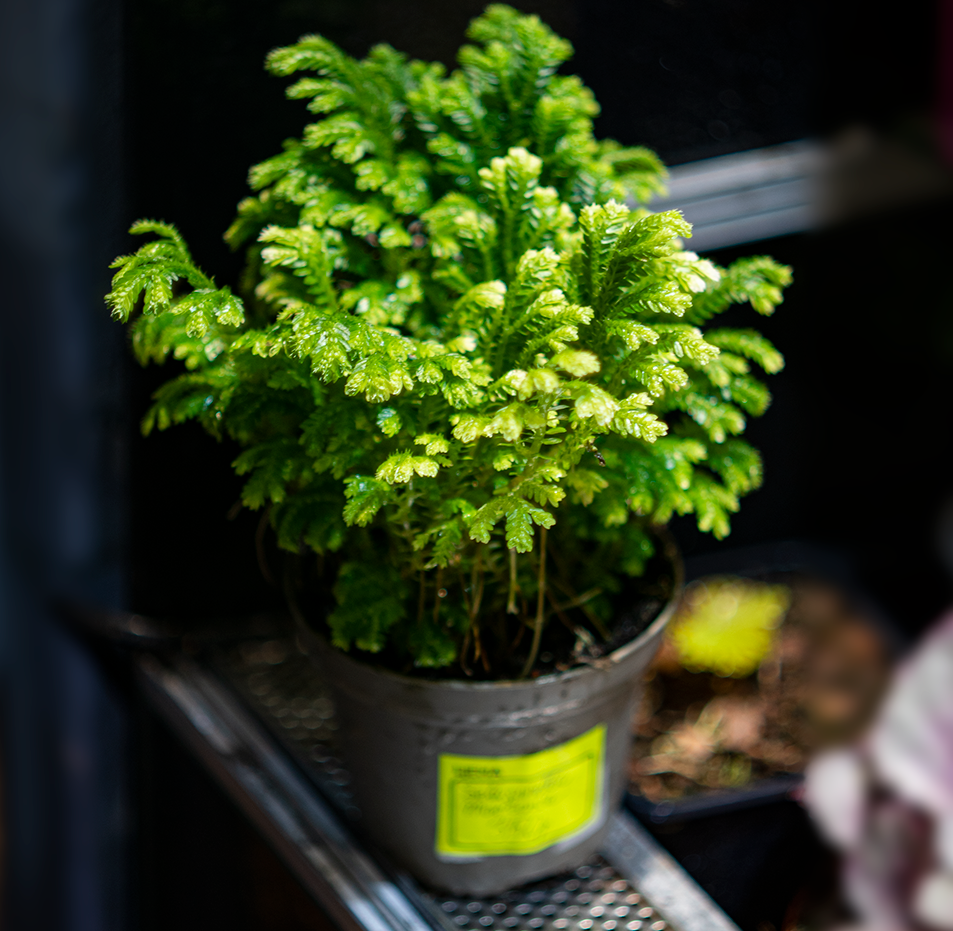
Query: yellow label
{"points": [[497, 805]]}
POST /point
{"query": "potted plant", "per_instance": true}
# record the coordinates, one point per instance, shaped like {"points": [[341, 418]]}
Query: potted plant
{"points": [[475, 383]]}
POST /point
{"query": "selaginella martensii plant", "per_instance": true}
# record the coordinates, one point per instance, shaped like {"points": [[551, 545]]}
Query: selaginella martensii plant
{"points": [[453, 336]]}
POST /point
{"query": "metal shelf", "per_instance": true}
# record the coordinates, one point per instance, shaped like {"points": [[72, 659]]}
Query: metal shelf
{"points": [[261, 723]]}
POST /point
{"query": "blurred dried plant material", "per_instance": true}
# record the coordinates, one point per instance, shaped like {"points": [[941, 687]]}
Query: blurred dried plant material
{"points": [[754, 679]]}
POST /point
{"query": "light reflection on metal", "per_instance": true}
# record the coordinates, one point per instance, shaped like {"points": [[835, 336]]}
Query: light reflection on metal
{"points": [[635, 854], [799, 186], [299, 824], [748, 196]]}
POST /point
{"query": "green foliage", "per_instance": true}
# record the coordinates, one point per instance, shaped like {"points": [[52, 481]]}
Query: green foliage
{"points": [[454, 334]]}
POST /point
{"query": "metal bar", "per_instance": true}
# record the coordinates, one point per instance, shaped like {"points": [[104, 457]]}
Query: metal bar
{"points": [[749, 196], [279, 800], [749, 202], [385, 894], [733, 232], [637, 856], [798, 186], [744, 170]]}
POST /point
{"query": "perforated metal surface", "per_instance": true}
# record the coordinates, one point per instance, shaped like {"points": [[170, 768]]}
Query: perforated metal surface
{"points": [[283, 687], [594, 898]]}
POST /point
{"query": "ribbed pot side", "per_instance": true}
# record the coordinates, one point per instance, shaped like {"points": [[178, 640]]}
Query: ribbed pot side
{"points": [[394, 729]]}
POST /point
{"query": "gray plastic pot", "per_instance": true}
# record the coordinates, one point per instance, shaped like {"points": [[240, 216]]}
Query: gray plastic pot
{"points": [[449, 775]]}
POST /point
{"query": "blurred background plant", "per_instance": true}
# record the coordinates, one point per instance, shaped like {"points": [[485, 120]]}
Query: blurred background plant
{"points": [[808, 673], [727, 626]]}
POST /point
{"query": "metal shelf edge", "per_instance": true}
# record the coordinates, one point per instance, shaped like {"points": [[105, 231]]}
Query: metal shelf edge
{"points": [[304, 831], [316, 845]]}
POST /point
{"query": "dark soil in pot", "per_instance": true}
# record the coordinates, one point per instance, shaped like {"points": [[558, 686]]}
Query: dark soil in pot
{"points": [[475, 786]]}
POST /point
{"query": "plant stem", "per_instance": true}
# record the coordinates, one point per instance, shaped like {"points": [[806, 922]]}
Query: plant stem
{"points": [[472, 604], [511, 601], [436, 597], [263, 566], [557, 609], [463, 654], [421, 601], [579, 601], [476, 586], [540, 604]]}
